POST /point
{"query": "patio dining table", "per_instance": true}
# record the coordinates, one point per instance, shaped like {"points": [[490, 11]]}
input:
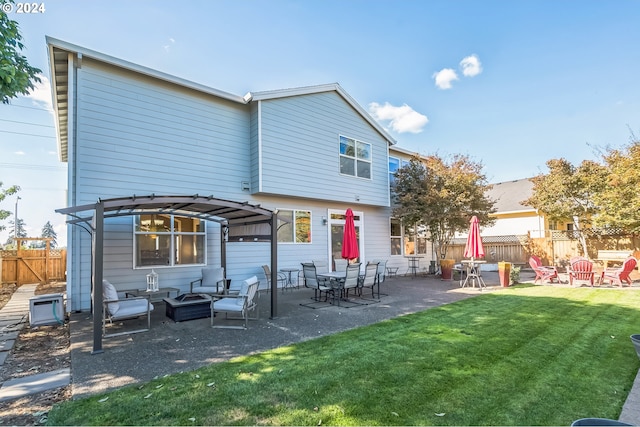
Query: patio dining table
{"points": [[473, 273], [336, 281]]}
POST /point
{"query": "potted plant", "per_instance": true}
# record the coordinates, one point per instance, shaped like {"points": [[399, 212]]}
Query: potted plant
{"points": [[504, 273]]}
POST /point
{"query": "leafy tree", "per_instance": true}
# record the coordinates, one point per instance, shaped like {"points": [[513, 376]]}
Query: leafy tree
{"points": [[619, 200], [569, 192], [443, 195], [48, 231], [4, 214], [16, 75]]}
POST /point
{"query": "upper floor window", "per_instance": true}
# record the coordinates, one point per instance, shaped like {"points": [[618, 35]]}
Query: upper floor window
{"points": [[294, 226], [355, 157], [167, 240], [395, 164]]}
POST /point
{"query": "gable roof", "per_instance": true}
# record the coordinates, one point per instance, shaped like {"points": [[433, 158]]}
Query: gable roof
{"points": [[308, 90], [510, 194], [62, 53]]}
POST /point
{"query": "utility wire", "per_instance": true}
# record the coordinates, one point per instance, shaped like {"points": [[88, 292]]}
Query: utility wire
{"points": [[28, 134], [26, 123]]}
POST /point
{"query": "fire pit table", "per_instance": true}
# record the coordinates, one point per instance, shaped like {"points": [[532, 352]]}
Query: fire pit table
{"points": [[188, 307]]}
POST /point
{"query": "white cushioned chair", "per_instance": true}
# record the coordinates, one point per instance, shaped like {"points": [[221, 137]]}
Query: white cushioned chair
{"points": [[240, 304], [212, 281], [115, 309]]}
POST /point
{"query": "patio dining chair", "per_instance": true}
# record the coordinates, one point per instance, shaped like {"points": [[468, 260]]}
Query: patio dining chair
{"points": [[351, 280], [620, 274], [240, 304], [282, 278], [115, 309], [370, 279], [340, 264], [581, 269], [543, 272], [319, 286]]}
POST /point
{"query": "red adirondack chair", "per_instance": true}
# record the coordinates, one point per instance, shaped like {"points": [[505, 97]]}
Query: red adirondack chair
{"points": [[621, 274], [581, 269], [543, 272]]}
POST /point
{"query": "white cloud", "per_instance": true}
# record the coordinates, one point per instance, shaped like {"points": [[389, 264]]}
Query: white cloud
{"points": [[471, 66], [167, 47], [41, 93], [401, 119], [444, 78]]}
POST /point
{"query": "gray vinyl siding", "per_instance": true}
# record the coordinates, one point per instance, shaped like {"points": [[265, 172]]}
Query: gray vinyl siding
{"points": [[300, 145], [136, 135]]}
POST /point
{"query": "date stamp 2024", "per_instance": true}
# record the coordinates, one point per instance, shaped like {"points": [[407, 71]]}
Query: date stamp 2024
{"points": [[25, 8]]}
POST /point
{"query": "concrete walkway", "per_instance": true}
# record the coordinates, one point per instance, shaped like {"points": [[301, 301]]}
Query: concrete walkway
{"points": [[13, 318]]}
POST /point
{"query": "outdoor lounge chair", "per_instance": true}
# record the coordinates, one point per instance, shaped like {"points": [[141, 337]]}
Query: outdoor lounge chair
{"points": [[240, 304], [282, 278], [580, 269], [115, 309], [212, 282], [542, 272], [620, 274]]}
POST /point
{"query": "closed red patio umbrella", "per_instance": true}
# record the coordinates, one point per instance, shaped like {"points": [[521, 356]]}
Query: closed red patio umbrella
{"points": [[474, 248], [349, 239]]}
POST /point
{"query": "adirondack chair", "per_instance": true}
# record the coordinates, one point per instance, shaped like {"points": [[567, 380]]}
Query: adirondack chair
{"points": [[621, 274], [581, 269], [542, 272]]}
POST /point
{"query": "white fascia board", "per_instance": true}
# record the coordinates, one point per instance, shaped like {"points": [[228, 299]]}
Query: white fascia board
{"points": [[515, 212], [142, 70]]}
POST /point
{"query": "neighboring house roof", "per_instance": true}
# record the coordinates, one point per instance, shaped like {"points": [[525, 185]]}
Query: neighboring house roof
{"points": [[510, 194], [59, 63]]}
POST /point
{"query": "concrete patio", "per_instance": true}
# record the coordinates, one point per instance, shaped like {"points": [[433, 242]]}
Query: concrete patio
{"points": [[171, 347]]}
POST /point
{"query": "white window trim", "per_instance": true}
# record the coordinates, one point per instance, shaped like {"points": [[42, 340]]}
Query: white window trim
{"points": [[340, 155], [173, 234], [294, 227]]}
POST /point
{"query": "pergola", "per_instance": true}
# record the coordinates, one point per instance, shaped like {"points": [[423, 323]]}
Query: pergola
{"points": [[239, 221]]}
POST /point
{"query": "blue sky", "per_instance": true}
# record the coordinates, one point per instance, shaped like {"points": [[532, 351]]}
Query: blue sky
{"points": [[509, 83]]}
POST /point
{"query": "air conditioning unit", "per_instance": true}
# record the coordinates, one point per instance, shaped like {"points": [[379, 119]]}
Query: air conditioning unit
{"points": [[46, 310]]}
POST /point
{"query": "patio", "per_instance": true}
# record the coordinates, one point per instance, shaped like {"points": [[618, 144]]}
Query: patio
{"points": [[171, 347]]}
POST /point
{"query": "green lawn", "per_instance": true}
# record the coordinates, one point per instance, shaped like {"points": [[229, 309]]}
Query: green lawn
{"points": [[528, 355]]}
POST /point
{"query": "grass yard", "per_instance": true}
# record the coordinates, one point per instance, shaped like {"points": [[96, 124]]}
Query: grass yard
{"points": [[527, 355]]}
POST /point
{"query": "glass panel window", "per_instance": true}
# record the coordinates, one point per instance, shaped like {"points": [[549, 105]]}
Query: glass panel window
{"points": [[394, 165], [165, 240], [355, 157], [294, 226], [396, 237]]}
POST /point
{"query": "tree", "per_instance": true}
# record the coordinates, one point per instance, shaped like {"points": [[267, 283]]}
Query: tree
{"points": [[4, 214], [569, 192], [619, 200], [20, 232], [16, 75], [442, 195], [48, 231]]}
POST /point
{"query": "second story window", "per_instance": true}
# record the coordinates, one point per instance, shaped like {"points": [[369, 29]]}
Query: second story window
{"points": [[355, 157]]}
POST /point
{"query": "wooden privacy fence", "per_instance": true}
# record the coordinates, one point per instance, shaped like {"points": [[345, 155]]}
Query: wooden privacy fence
{"points": [[33, 265], [554, 249], [510, 248]]}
